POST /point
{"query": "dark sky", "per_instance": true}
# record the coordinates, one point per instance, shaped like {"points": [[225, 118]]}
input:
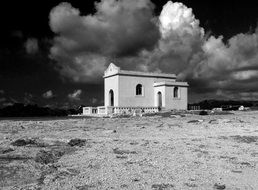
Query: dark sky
{"points": [[27, 72]]}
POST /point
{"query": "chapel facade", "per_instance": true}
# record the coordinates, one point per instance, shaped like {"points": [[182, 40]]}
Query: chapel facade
{"points": [[126, 91]]}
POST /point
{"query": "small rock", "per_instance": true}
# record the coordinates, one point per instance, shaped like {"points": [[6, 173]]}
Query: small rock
{"points": [[135, 180], [219, 186], [50, 156], [23, 142], [213, 121], [195, 121], [85, 187], [203, 112], [45, 157], [175, 116], [77, 142], [6, 150], [121, 157], [236, 171], [137, 112], [121, 152], [162, 186]]}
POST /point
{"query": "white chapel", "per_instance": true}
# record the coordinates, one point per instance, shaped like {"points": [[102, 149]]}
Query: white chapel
{"points": [[126, 91]]}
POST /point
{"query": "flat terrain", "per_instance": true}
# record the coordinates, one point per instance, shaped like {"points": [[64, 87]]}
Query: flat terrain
{"points": [[171, 152]]}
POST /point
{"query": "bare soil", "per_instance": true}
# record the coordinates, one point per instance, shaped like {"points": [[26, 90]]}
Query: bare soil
{"points": [[157, 152]]}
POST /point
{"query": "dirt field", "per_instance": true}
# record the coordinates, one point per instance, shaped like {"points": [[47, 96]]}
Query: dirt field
{"points": [[172, 152]]}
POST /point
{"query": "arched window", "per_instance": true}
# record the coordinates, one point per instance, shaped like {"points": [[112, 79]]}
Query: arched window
{"points": [[138, 89], [176, 93]]}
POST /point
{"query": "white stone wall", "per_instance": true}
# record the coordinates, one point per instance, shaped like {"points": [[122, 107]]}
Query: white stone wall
{"points": [[127, 91], [179, 103], [86, 110], [89, 110], [102, 110], [128, 97], [111, 83]]}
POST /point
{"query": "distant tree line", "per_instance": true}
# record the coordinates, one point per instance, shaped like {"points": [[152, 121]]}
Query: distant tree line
{"points": [[225, 104], [21, 110]]}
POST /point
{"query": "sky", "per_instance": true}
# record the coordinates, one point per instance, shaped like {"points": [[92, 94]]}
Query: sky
{"points": [[54, 53]]}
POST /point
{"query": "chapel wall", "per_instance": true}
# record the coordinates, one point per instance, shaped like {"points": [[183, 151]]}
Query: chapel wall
{"points": [[179, 103], [127, 94], [111, 83]]}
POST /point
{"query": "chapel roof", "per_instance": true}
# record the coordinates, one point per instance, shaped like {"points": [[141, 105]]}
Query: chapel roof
{"points": [[113, 70]]}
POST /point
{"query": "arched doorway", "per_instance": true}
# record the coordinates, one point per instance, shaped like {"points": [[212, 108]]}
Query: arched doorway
{"points": [[159, 97], [111, 98]]}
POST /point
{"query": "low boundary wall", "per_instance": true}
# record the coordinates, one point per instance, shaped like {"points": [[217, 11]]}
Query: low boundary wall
{"points": [[102, 110]]}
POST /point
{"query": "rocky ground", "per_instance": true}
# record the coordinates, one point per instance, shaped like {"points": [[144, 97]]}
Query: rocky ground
{"points": [[154, 152]]}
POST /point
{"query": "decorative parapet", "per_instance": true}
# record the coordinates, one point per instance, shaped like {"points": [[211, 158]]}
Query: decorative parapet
{"points": [[89, 110], [86, 110], [132, 110], [103, 110], [109, 110]]}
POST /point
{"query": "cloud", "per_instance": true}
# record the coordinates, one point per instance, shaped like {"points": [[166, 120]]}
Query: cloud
{"points": [[2, 91], [85, 44], [130, 35], [49, 94], [2, 99], [126, 32], [5, 104], [75, 95], [31, 46], [181, 39], [14, 100], [208, 63], [28, 98], [230, 67], [179, 19]]}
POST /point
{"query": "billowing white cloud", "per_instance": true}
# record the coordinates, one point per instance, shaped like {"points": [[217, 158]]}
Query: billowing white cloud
{"points": [[31, 46], [75, 95], [48, 94], [178, 17], [84, 45], [181, 39]]}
